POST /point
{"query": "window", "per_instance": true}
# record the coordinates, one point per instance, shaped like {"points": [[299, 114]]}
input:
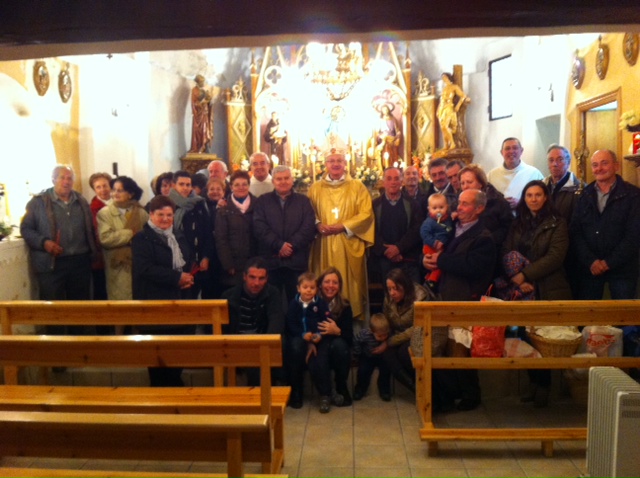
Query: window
{"points": [[500, 88]]}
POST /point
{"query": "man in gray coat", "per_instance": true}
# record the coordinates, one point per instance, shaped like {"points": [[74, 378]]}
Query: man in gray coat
{"points": [[58, 229]]}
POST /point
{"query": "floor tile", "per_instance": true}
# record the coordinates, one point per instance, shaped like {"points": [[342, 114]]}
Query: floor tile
{"points": [[327, 471], [326, 455], [383, 456], [447, 457], [438, 472], [364, 472], [115, 465], [64, 463]]}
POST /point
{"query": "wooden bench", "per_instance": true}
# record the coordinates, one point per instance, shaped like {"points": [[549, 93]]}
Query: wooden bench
{"points": [[67, 473], [263, 351], [233, 438], [115, 312], [433, 314]]}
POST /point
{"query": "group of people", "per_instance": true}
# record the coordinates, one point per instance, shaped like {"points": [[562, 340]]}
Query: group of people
{"points": [[297, 265]]}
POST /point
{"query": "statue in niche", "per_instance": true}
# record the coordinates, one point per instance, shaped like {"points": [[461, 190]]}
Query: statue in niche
{"points": [[202, 126], [276, 136], [389, 136], [451, 113]]}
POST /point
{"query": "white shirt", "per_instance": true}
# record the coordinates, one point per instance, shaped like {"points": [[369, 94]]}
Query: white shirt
{"points": [[511, 182], [258, 188]]}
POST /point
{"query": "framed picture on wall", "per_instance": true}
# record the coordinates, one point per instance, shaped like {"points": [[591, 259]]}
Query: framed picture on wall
{"points": [[500, 88]]}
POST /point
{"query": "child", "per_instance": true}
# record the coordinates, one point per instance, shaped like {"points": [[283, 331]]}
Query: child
{"points": [[436, 231], [367, 348], [305, 311]]}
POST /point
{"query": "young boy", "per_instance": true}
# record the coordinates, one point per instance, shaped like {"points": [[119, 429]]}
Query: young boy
{"points": [[303, 316], [436, 231], [367, 348]]}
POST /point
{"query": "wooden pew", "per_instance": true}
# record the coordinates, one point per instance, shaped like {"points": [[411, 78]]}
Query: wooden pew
{"points": [[232, 438], [264, 351], [116, 312], [434, 314], [15, 472]]}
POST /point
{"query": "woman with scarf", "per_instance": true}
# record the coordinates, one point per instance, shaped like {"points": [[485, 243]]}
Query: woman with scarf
{"points": [[161, 265], [234, 225], [117, 224]]}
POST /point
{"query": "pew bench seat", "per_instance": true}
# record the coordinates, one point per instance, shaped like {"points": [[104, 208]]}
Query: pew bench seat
{"points": [[16, 472], [230, 438]]}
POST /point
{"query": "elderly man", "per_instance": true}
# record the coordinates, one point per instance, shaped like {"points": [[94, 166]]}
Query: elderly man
{"points": [[397, 239], [58, 228], [411, 188], [565, 188], [284, 227], [216, 169], [260, 178], [344, 221], [467, 265], [604, 232], [511, 178]]}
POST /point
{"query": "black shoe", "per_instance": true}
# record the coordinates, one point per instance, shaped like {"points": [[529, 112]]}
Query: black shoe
{"points": [[541, 400], [346, 398], [467, 404], [295, 402], [337, 399], [385, 396], [358, 393], [325, 404]]}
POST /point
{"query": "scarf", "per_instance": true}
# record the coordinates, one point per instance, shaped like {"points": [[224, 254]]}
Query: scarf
{"points": [[178, 260], [242, 206], [184, 205]]}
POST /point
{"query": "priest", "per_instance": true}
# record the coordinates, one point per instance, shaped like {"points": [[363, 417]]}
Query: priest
{"points": [[345, 225]]}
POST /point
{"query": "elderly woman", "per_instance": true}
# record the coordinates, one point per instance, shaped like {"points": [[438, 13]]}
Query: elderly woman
{"points": [[117, 224], [234, 226], [497, 214], [160, 264], [400, 295], [100, 183], [539, 237], [215, 193]]}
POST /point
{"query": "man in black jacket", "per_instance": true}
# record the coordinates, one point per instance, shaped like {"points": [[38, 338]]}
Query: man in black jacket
{"points": [[467, 265], [284, 227], [255, 307], [604, 232]]}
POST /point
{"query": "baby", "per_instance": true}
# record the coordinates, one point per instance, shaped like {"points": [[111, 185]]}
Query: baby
{"points": [[436, 231]]}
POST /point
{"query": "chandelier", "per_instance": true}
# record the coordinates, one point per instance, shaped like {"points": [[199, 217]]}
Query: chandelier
{"points": [[337, 67]]}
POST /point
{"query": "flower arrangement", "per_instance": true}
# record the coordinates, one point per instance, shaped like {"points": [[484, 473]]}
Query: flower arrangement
{"points": [[630, 120], [368, 176], [5, 229], [301, 178]]}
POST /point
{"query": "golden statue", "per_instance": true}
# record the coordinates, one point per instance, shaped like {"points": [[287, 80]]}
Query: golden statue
{"points": [[449, 114]]}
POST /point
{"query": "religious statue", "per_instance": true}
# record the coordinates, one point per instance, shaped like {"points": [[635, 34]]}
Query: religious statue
{"points": [[202, 126], [448, 113], [276, 136], [389, 136]]}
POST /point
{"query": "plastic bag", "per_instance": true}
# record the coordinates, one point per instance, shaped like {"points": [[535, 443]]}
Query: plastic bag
{"points": [[602, 340], [487, 341]]}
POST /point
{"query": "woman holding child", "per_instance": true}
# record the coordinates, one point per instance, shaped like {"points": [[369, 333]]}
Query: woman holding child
{"points": [[319, 334], [339, 327]]}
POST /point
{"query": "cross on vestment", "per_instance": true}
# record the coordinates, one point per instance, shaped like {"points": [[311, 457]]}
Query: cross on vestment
{"points": [[335, 211]]}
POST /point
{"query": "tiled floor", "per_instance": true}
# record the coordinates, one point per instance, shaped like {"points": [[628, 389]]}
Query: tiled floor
{"points": [[376, 438]]}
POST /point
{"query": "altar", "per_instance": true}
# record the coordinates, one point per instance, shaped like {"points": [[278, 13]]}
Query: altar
{"points": [[307, 99]]}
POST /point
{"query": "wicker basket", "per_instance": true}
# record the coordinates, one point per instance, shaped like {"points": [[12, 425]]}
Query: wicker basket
{"points": [[555, 347]]}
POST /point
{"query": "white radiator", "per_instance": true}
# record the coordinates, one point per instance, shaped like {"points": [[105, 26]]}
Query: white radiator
{"points": [[613, 423]]}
